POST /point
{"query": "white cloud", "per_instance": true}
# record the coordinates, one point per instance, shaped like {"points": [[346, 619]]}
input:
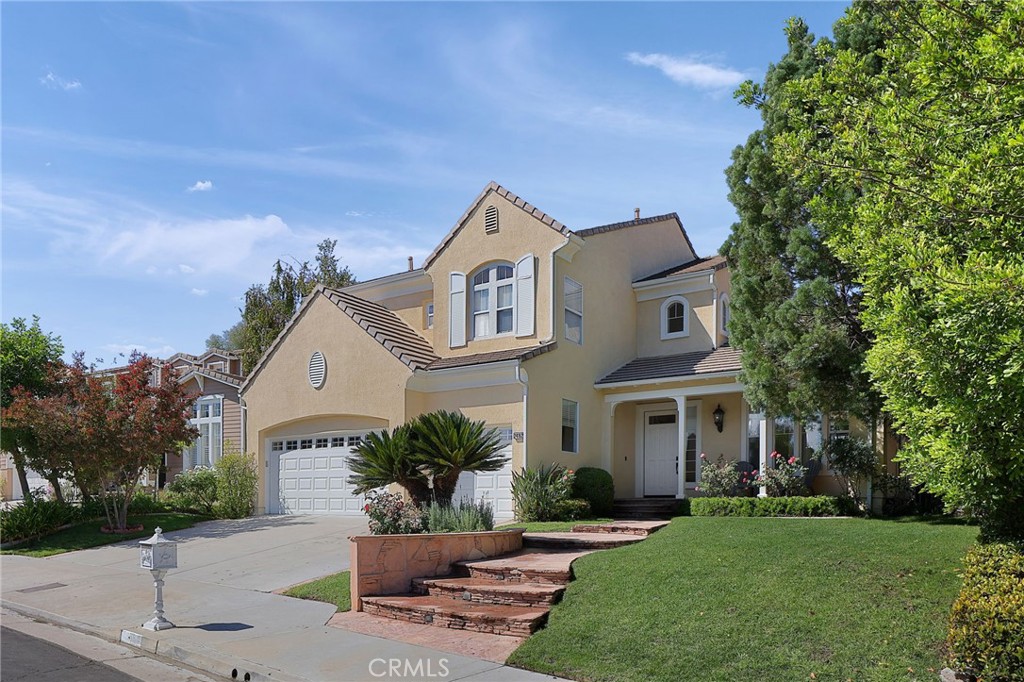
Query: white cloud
{"points": [[199, 292], [201, 186], [55, 82], [187, 269], [689, 70]]}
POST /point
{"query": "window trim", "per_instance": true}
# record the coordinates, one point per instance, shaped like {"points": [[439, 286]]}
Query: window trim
{"points": [[566, 310], [666, 304], [192, 452], [428, 314], [575, 426], [724, 311]]}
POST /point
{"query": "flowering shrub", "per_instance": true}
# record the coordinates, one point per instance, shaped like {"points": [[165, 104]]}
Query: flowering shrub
{"points": [[390, 514], [784, 478], [720, 479], [539, 493]]}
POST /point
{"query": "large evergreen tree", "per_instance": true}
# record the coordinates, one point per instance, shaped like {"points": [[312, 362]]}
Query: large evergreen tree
{"points": [[794, 305], [269, 307], [934, 144]]}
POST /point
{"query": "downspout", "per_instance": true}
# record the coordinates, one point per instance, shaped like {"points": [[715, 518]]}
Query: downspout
{"points": [[714, 312], [523, 379], [245, 420]]}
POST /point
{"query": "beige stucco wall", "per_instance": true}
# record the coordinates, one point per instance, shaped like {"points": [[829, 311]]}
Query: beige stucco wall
{"points": [[519, 234], [701, 324], [364, 388]]}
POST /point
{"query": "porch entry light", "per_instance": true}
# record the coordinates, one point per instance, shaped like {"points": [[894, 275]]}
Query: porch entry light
{"points": [[719, 416], [158, 554]]}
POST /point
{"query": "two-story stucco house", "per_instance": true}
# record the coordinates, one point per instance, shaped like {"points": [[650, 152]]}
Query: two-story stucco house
{"points": [[602, 347]]}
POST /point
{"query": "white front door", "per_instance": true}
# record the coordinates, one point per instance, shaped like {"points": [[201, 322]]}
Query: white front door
{"points": [[661, 452]]}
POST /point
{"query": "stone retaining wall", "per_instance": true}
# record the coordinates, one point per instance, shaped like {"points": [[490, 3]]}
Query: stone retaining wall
{"points": [[387, 564]]}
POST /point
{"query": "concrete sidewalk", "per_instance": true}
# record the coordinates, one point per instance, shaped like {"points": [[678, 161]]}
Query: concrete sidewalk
{"points": [[224, 627]]}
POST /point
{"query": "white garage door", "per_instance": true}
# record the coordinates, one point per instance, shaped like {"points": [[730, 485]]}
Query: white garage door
{"points": [[494, 486], [311, 475]]}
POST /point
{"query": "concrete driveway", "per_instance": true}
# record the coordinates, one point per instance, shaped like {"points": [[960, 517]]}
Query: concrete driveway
{"points": [[263, 553]]}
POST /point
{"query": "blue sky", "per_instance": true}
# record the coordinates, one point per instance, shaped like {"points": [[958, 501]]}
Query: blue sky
{"points": [[158, 158]]}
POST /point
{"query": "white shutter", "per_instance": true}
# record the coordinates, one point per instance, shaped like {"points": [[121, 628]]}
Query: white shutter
{"points": [[525, 305], [457, 311]]}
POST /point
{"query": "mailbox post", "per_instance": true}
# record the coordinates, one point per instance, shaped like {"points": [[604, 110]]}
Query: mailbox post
{"points": [[158, 554]]}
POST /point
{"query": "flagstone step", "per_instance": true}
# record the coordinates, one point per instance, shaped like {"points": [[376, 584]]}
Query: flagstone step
{"points": [[498, 619], [643, 528], [588, 540], [489, 591], [537, 566]]}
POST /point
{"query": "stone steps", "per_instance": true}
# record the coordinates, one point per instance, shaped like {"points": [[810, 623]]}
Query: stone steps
{"points": [[645, 508], [487, 591], [581, 541], [497, 619], [643, 528], [524, 567]]}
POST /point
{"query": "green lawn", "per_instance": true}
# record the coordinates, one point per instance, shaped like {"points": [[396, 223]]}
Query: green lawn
{"points": [[549, 526], [87, 534], [333, 589], [759, 599]]}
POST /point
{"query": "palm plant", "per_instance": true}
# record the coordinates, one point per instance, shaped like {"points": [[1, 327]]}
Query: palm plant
{"points": [[384, 458], [446, 443]]}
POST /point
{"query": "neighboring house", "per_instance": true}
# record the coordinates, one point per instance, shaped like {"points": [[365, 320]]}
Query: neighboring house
{"points": [[213, 378], [602, 347]]}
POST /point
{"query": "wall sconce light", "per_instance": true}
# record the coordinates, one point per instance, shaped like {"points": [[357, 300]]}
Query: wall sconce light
{"points": [[719, 416]]}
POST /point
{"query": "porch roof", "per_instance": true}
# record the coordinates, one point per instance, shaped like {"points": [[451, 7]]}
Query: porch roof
{"points": [[720, 360]]}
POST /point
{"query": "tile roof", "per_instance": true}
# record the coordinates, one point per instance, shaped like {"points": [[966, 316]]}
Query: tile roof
{"points": [[223, 377], [723, 359], [611, 227], [521, 354], [385, 327], [502, 192], [697, 265]]}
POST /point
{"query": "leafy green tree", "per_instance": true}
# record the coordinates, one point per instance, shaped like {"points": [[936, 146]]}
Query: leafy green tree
{"points": [[426, 456], [794, 305], [27, 355], [928, 130], [231, 339], [268, 308]]}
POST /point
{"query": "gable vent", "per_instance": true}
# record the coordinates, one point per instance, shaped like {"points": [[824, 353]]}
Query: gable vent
{"points": [[317, 369], [491, 220]]}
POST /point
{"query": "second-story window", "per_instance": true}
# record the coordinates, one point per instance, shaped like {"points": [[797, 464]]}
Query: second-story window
{"points": [[573, 311], [675, 314], [430, 315], [492, 301]]}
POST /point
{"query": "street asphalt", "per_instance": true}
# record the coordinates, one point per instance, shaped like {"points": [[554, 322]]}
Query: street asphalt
{"points": [[221, 599]]}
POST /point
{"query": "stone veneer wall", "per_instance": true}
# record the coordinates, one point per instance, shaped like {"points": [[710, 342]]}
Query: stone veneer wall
{"points": [[386, 564]]}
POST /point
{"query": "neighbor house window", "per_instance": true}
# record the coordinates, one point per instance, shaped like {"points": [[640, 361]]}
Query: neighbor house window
{"points": [[675, 318], [725, 314], [811, 438], [493, 301], [573, 311], [570, 422], [206, 449], [785, 437], [429, 308]]}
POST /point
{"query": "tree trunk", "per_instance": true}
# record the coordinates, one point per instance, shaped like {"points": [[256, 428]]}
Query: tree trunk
{"points": [[58, 494], [19, 464]]}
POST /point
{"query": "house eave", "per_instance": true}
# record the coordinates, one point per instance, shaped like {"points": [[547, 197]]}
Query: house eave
{"points": [[669, 380]]}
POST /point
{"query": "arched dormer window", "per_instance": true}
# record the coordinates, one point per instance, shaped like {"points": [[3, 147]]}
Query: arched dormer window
{"points": [[724, 314], [493, 300], [675, 318]]}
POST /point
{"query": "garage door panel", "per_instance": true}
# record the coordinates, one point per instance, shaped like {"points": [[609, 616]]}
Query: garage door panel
{"points": [[314, 480]]}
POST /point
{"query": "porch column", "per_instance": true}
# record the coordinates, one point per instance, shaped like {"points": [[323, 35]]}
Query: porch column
{"points": [[608, 436], [765, 438], [681, 453]]}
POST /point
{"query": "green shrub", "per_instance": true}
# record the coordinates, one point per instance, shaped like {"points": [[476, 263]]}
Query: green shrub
{"points": [[35, 517], [986, 625], [195, 490], [537, 492], [719, 479], [465, 517], [237, 478], [572, 509], [596, 487], [820, 505]]}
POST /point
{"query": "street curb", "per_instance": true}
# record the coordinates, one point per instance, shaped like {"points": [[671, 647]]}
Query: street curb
{"points": [[195, 656]]}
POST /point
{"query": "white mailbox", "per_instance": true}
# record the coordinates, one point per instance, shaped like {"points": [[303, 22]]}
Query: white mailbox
{"points": [[157, 555]]}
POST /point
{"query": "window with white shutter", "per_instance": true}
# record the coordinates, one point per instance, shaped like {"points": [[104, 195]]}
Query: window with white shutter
{"points": [[525, 310], [573, 311], [457, 311]]}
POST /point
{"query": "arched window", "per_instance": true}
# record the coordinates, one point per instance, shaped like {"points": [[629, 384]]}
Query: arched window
{"points": [[675, 318], [493, 300], [724, 314]]}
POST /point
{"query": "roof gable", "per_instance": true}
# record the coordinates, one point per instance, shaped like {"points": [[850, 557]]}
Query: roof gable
{"points": [[502, 192]]}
